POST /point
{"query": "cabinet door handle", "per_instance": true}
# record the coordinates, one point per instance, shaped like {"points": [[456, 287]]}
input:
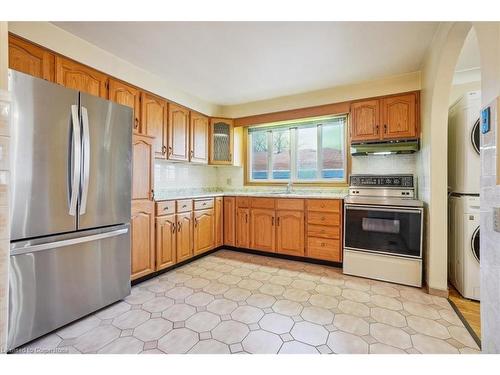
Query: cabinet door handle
{"points": [[163, 150], [191, 154], [169, 150], [278, 221], [376, 129], [385, 128], [173, 228], [136, 125], [195, 222], [246, 218], [179, 225]]}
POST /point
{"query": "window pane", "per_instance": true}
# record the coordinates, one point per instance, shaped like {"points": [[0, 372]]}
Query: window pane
{"points": [[333, 151], [307, 153], [259, 155], [281, 154]]}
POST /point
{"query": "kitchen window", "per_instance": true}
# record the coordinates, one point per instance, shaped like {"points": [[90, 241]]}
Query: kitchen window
{"points": [[305, 151]]}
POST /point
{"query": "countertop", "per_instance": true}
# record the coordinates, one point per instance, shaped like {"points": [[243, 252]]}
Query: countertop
{"points": [[339, 194]]}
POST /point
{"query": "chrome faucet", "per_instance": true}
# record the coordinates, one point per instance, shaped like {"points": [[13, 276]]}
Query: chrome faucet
{"points": [[289, 187]]}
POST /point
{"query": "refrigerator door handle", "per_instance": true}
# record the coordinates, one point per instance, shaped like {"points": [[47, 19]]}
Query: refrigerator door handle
{"points": [[76, 156], [86, 161], [71, 241]]}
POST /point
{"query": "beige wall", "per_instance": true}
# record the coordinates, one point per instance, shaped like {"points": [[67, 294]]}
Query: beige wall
{"points": [[385, 86], [458, 90], [59, 40]]}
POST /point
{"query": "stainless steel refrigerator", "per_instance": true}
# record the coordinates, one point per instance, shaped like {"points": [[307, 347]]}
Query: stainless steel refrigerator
{"points": [[70, 194]]}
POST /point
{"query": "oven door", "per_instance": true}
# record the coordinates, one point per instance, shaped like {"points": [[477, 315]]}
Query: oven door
{"points": [[385, 230]]}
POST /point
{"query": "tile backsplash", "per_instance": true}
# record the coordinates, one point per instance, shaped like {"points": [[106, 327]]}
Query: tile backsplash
{"points": [[172, 177]]}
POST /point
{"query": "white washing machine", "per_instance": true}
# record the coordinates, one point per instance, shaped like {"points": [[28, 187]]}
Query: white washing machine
{"points": [[463, 245], [464, 132]]}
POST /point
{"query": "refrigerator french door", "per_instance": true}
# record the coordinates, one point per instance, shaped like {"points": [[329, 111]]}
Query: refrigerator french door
{"points": [[70, 206]]}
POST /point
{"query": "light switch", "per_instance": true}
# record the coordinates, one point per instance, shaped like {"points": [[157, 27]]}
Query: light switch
{"points": [[496, 219]]}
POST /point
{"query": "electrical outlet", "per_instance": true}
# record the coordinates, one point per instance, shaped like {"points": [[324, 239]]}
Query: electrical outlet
{"points": [[229, 181], [496, 219]]}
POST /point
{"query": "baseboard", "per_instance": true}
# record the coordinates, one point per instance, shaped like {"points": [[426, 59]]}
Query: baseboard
{"points": [[437, 292]]}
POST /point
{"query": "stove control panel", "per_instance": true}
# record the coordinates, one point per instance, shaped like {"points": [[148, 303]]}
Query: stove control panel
{"points": [[388, 181]]}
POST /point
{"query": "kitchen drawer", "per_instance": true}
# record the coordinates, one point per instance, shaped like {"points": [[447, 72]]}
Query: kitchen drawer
{"points": [[322, 248], [203, 204], [165, 208], [262, 203], [323, 218], [324, 205], [323, 231], [242, 202], [290, 204], [184, 205]]}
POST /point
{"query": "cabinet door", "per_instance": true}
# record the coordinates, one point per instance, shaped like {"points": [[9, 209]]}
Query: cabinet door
{"points": [[165, 241], [154, 122], [199, 138], [79, 77], [178, 133], [229, 221], [263, 233], [399, 117], [204, 231], [28, 58], [143, 246], [142, 167], [122, 93], [219, 222], [290, 232], [221, 141], [365, 121], [184, 236], [243, 227]]}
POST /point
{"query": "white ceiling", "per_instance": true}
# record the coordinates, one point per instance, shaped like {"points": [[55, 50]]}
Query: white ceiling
{"points": [[237, 62]]}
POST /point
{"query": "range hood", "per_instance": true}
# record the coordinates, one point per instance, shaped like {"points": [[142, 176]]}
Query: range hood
{"points": [[408, 146]]}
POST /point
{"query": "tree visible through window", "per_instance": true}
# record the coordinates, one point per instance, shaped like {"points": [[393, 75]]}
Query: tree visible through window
{"points": [[310, 150]]}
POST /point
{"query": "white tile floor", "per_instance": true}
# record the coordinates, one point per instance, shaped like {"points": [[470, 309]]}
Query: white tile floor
{"points": [[231, 302]]}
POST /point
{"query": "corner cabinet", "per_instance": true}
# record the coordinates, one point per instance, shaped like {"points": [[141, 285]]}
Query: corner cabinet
{"points": [[221, 141], [393, 117]]}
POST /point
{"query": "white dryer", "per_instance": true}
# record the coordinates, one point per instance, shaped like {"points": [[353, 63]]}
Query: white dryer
{"points": [[464, 144], [463, 245]]}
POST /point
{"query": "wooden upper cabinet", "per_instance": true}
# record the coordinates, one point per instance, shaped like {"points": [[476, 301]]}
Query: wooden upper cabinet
{"points": [[178, 133], [290, 232], [203, 234], [142, 238], [184, 240], [243, 227], [219, 221], [31, 59], [262, 229], [165, 241], [122, 93], [80, 77], [221, 141], [229, 217], [365, 120], [154, 122], [142, 167], [199, 138], [399, 116]]}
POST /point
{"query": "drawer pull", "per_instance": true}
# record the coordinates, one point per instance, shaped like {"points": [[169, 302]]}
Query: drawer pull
{"points": [[184, 206], [323, 244], [322, 218]]}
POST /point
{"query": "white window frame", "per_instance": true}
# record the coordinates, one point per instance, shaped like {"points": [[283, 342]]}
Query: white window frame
{"points": [[293, 156]]}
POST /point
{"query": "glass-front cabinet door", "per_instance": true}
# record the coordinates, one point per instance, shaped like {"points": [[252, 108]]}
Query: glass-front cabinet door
{"points": [[221, 141]]}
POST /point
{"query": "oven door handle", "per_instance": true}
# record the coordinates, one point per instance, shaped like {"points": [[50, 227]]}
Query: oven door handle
{"points": [[383, 209]]}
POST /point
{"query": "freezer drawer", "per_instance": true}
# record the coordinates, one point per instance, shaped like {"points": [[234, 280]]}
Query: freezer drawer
{"points": [[64, 278]]}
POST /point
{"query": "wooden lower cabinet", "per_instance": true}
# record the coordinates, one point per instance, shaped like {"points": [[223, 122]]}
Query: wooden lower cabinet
{"points": [[203, 233], [243, 227], [262, 229], [219, 222], [229, 221], [290, 232], [184, 240], [165, 241], [142, 238]]}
